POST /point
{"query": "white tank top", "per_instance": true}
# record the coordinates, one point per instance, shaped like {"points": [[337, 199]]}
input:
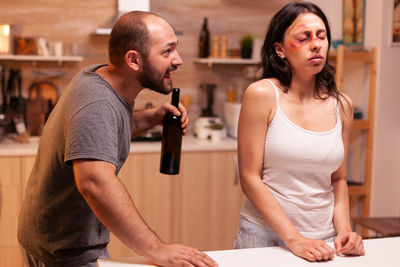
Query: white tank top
{"points": [[297, 170]]}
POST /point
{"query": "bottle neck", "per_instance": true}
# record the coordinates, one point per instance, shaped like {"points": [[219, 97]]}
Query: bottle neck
{"points": [[175, 97], [205, 24]]}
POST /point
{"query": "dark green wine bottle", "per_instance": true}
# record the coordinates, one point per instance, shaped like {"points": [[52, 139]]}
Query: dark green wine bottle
{"points": [[204, 42], [171, 139]]}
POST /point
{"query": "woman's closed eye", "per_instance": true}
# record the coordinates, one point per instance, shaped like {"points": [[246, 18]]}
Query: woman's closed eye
{"points": [[303, 37]]}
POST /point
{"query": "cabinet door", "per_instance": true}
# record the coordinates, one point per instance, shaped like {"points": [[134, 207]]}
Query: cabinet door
{"points": [[151, 192], [26, 168], [207, 201], [10, 204]]}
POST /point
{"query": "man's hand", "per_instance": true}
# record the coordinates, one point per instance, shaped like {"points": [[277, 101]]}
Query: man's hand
{"points": [[168, 107], [179, 255], [311, 249], [349, 243]]}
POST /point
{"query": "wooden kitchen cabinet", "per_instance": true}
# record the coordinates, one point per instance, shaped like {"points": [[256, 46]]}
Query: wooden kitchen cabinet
{"points": [[207, 201], [26, 168], [152, 194], [199, 207], [10, 204]]}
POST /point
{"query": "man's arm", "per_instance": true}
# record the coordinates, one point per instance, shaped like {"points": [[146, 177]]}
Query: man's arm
{"points": [[148, 118], [112, 204]]}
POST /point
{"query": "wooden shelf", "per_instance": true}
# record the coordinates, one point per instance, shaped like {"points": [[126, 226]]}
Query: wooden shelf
{"points": [[361, 191], [227, 61], [353, 55], [357, 190], [385, 226], [361, 124], [35, 58]]}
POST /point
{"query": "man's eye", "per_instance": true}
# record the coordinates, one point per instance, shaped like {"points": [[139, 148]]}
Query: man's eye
{"points": [[167, 52]]}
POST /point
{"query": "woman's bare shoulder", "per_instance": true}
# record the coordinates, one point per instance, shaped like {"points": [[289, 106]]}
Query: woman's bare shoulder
{"points": [[347, 103], [261, 89]]}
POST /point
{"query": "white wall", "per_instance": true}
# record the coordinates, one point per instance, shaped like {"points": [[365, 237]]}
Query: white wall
{"points": [[385, 187], [333, 11]]}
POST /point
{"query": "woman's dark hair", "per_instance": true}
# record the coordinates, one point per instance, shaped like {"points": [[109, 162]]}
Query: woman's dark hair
{"points": [[129, 33], [276, 67]]}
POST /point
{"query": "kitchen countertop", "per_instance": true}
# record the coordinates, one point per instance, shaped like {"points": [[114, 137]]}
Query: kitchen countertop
{"points": [[378, 252], [189, 144]]}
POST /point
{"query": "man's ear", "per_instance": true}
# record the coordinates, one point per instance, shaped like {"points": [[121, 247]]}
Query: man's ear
{"points": [[133, 59], [279, 50]]}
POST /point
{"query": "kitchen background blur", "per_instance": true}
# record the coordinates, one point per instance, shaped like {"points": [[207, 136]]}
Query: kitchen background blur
{"points": [[69, 29]]}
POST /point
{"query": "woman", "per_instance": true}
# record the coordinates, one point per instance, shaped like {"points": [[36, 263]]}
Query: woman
{"points": [[293, 139]]}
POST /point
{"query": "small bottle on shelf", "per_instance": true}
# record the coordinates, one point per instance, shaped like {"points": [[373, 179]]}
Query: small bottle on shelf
{"points": [[223, 50], [204, 42], [215, 47]]}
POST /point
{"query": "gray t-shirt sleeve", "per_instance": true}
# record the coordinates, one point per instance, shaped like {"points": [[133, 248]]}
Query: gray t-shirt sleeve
{"points": [[92, 133]]}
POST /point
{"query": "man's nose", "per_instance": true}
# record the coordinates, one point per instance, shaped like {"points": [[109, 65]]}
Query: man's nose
{"points": [[177, 60]]}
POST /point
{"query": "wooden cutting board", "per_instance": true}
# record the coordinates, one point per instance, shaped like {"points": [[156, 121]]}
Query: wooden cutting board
{"points": [[48, 91], [37, 105]]}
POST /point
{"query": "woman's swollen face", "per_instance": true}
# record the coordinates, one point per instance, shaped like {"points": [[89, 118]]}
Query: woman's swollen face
{"points": [[305, 44]]}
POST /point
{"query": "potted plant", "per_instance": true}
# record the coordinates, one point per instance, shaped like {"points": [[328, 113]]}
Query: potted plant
{"points": [[246, 46], [216, 132]]}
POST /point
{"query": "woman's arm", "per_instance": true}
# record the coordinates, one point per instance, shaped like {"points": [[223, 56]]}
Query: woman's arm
{"points": [[148, 118], [257, 110], [347, 241]]}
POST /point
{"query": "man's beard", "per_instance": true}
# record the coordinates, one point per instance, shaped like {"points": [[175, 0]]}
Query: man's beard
{"points": [[150, 78]]}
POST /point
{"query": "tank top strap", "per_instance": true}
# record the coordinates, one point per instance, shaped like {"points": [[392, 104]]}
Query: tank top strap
{"points": [[338, 119], [276, 94]]}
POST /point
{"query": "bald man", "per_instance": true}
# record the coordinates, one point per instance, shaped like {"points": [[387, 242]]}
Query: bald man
{"points": [[74, 197]]}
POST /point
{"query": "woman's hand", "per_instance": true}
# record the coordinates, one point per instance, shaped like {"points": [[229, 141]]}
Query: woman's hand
{"points": [[311, 249], [168, 107], [349, 243]]}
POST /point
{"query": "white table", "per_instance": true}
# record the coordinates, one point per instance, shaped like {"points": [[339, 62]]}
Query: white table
{"points": [[382, 252]]}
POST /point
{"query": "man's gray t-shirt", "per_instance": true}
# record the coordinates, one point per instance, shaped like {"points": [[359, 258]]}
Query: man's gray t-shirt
{"points": [[90, 121]]}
